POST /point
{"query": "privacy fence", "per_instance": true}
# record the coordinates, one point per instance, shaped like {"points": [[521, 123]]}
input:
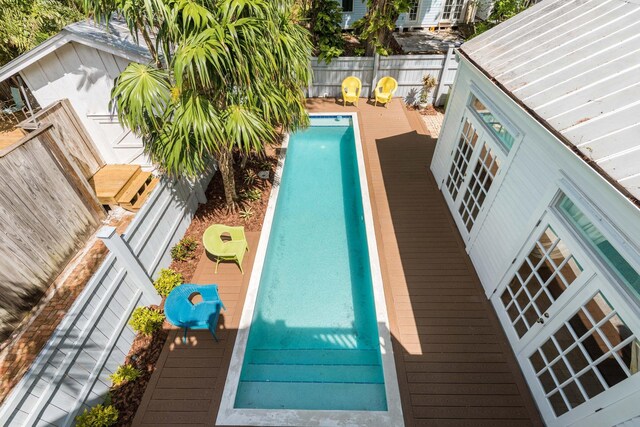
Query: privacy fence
{"points": [[408, 70], [72, 371], [47, 208]]}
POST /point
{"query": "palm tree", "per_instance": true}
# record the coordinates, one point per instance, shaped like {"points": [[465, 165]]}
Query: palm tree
{"points": [[226, 75]]}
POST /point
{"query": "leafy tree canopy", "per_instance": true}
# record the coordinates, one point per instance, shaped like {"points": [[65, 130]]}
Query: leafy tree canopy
{"points": [[24, 24]]}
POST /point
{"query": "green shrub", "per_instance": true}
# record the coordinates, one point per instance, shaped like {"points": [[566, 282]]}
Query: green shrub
{"points": [[254, 194], [246, 213], [98, 416], [250, 177], [325, 18], [166, 281], [184, 249], [146, 320], [124, 374]]}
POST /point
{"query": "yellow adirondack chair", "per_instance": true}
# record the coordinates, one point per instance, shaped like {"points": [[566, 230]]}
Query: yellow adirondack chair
{"points": [[385, 89], [351, 88], [232, 250]]}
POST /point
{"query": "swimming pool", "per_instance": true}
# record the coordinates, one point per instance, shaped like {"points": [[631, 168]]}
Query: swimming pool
{"points": [[313, 346]]}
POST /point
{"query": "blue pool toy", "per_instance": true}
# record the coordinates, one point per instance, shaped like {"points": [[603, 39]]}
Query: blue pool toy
{"points": [[181, 312]]}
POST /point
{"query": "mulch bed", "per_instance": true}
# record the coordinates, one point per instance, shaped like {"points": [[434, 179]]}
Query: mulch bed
{"points": [[143, 355], [429, 111], [145, 351], [216, 212]]}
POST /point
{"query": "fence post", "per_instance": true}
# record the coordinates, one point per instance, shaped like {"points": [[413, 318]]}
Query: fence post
{"points": [[123, 253], [443, 73], [374, 76]]}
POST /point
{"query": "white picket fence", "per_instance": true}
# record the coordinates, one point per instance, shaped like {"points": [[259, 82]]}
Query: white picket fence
{"points": [[72, 371], [408, 70]]}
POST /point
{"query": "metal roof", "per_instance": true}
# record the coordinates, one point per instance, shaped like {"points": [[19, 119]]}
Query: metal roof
{"points": [[575, 65], [114, 38]]}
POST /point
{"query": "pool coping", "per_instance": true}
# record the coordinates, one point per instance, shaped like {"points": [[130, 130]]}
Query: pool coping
{"points": [[227, 414]]}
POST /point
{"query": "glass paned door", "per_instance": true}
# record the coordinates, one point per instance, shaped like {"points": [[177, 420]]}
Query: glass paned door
{"points": [[474, 166], [543, 276], [586, 359], [461, 157], [452, 10], [479, 184]]}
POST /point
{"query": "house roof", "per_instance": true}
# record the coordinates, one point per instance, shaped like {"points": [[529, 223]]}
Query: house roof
{"points": [[114, 38], [575, 66]]}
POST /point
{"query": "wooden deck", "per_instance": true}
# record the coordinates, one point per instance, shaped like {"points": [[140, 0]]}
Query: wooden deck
{"points": [[455, 367]]}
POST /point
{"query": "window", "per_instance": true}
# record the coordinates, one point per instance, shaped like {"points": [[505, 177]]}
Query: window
{"points": [[480, 182], [494, 125], [347, 5], [413, 10], [607, 253]]}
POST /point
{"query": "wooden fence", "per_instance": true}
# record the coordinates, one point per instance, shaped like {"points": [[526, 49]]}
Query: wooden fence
{"points": [[47, 211], [70, 132], [72, 372], [408, 70]]}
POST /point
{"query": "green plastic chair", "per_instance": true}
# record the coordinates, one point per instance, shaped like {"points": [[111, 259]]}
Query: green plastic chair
{"points": [[231, 250]]}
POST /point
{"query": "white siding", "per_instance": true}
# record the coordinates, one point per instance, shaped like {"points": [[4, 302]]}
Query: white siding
{"points": [[526, 183], [576, 65], [359, 10], [85, 76], [429, 13], [72, 372]]}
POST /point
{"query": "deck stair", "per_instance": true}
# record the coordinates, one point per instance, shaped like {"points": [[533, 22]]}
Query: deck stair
{"points": [[127, 186], [341, 379]]}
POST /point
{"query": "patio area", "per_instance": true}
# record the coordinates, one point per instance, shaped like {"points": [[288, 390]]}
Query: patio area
{"points": [[454, 364]]}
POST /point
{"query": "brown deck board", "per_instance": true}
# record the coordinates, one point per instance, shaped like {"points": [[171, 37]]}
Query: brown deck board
{"points": [[455, 367]]}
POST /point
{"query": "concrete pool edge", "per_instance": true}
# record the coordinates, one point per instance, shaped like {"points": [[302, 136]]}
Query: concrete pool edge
{"points": [[227, 414]]}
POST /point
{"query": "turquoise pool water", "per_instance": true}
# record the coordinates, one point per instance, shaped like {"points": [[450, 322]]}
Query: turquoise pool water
{"points": [[313, 341]]}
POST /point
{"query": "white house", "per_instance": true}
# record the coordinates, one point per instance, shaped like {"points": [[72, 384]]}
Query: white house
{"points": [[539, 161], [80, 63], [423, 13]]}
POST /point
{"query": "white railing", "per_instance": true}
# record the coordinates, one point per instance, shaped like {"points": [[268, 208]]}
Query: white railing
{"points": [[72, 370], [408, 70]]}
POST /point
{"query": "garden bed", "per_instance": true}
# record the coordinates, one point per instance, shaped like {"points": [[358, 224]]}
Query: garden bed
{"points": [[250, 213]]}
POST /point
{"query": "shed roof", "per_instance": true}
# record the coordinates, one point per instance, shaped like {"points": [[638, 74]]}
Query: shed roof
{"points": [[114, 38], [575, 65]]}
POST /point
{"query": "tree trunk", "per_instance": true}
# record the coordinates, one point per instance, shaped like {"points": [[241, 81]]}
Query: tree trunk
{"points": [[225, 163]]}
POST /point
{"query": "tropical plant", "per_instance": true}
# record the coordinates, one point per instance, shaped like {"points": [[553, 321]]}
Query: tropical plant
{"points": [[253, 194], [228, 74], [124, 374], [146, 320], [428, 83], [98, 416], [27, 23], [501, 11], [325, 20], [250, 177], [167, 280], [376, 26], [184, 249], [246, 213]]}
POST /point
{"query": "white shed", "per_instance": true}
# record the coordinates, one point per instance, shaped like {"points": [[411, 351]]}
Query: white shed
{"points": [[80, 64], [539, 162]]}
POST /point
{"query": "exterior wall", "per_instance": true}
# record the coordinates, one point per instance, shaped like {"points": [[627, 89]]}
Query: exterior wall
{"points": [[529, 178], [429, 14], [526, 184], [85, 76], [72, 371]]}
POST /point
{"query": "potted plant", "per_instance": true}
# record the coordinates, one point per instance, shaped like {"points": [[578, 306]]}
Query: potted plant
{"points": [[428, 83]]}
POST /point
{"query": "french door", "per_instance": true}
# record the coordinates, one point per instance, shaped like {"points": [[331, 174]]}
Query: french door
{"points": [[475, 163], [453, 11], [574, 335]]}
